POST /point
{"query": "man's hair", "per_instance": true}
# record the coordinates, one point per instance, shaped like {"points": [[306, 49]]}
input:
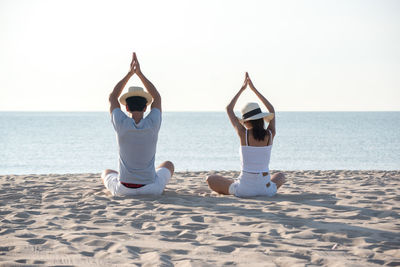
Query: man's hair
{"points": [[259, 131], [136, 103]]}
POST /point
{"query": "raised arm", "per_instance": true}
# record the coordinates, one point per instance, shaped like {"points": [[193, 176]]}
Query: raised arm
{"points": [[267, 104], [229, 109], [149, 86], [113, 98]]}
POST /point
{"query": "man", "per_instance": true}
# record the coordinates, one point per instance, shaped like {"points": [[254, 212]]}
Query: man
{"points": [[137, 139]]}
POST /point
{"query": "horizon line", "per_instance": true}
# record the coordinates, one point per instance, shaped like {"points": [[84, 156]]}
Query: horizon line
{"points": [[192, 111]]}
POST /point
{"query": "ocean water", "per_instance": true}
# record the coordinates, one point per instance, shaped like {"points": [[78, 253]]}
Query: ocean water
{"points": [[82, 142]]}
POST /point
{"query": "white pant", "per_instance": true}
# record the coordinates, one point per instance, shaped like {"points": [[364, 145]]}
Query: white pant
{"points": [[253, 184], [111, 181]]}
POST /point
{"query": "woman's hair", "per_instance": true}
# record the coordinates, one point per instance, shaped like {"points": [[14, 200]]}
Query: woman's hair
{"points": [[259, 132], [136, 103]]}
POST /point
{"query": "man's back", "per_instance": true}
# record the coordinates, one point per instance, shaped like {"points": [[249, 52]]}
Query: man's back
{"points": [[137, 146]]}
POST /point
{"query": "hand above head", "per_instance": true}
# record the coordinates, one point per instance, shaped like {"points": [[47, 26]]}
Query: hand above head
{"points": [[250, 82], [138, 71], [267, 104], [245, 83], [113, 98], [132, 66], [135, 66]]}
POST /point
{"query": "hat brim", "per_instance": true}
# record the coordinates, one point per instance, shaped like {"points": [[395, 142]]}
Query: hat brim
{"points": [[144, 94], [267, 117]]}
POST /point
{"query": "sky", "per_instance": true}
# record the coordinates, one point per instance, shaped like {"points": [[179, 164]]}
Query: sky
{"points": [[340, 55]]}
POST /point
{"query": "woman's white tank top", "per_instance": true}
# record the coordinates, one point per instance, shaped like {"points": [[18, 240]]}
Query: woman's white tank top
{"points": [[254, 158]]}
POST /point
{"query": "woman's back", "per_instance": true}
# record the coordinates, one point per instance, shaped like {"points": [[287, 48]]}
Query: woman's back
{"points": [[249, 140], [255, 154]]}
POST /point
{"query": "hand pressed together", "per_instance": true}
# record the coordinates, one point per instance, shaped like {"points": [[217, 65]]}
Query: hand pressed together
{"points": [[135, 66]]}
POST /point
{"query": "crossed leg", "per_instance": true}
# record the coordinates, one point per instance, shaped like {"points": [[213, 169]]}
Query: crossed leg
{"points": [[166, 164], [105, 173], [279, 179], [169, 165], [219, 184]]}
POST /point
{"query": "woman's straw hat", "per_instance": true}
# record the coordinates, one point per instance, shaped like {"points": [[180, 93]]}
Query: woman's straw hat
{"points": [[136, 91], [252, 111]]}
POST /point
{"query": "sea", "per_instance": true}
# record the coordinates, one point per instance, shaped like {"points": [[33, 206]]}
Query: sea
{"points": [[85, 142]]}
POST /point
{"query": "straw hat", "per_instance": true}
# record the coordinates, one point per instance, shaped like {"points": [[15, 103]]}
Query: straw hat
{"points": [[252, 111], [136, 91]]}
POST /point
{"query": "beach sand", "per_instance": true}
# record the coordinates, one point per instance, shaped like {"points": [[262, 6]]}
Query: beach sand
{"points": [[332, 218]]}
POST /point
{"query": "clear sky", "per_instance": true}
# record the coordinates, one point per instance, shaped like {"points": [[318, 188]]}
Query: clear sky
{"points": [[302, 55]]}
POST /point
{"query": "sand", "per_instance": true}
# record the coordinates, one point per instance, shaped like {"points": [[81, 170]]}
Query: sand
{"points": [[331, 218]]}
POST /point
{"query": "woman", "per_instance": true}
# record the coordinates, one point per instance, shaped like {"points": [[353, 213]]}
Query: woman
{"points": [[255, 150]]}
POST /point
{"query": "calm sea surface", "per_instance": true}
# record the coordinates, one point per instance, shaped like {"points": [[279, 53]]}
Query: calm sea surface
{"points": [[82, 142]]}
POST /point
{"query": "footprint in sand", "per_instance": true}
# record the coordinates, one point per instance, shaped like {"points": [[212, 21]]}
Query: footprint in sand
{"points": [[23, 215], [22, 221], [320, 231], [37, 241], [226, 249], [99, 243], [187, 235], [170, 233], [191, 226], [197, 218], [133, 250], [7, 248], [26, 236], [87, 253]]}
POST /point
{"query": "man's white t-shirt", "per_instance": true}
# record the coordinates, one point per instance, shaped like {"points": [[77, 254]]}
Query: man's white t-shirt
{"points": [[137, 145]]}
